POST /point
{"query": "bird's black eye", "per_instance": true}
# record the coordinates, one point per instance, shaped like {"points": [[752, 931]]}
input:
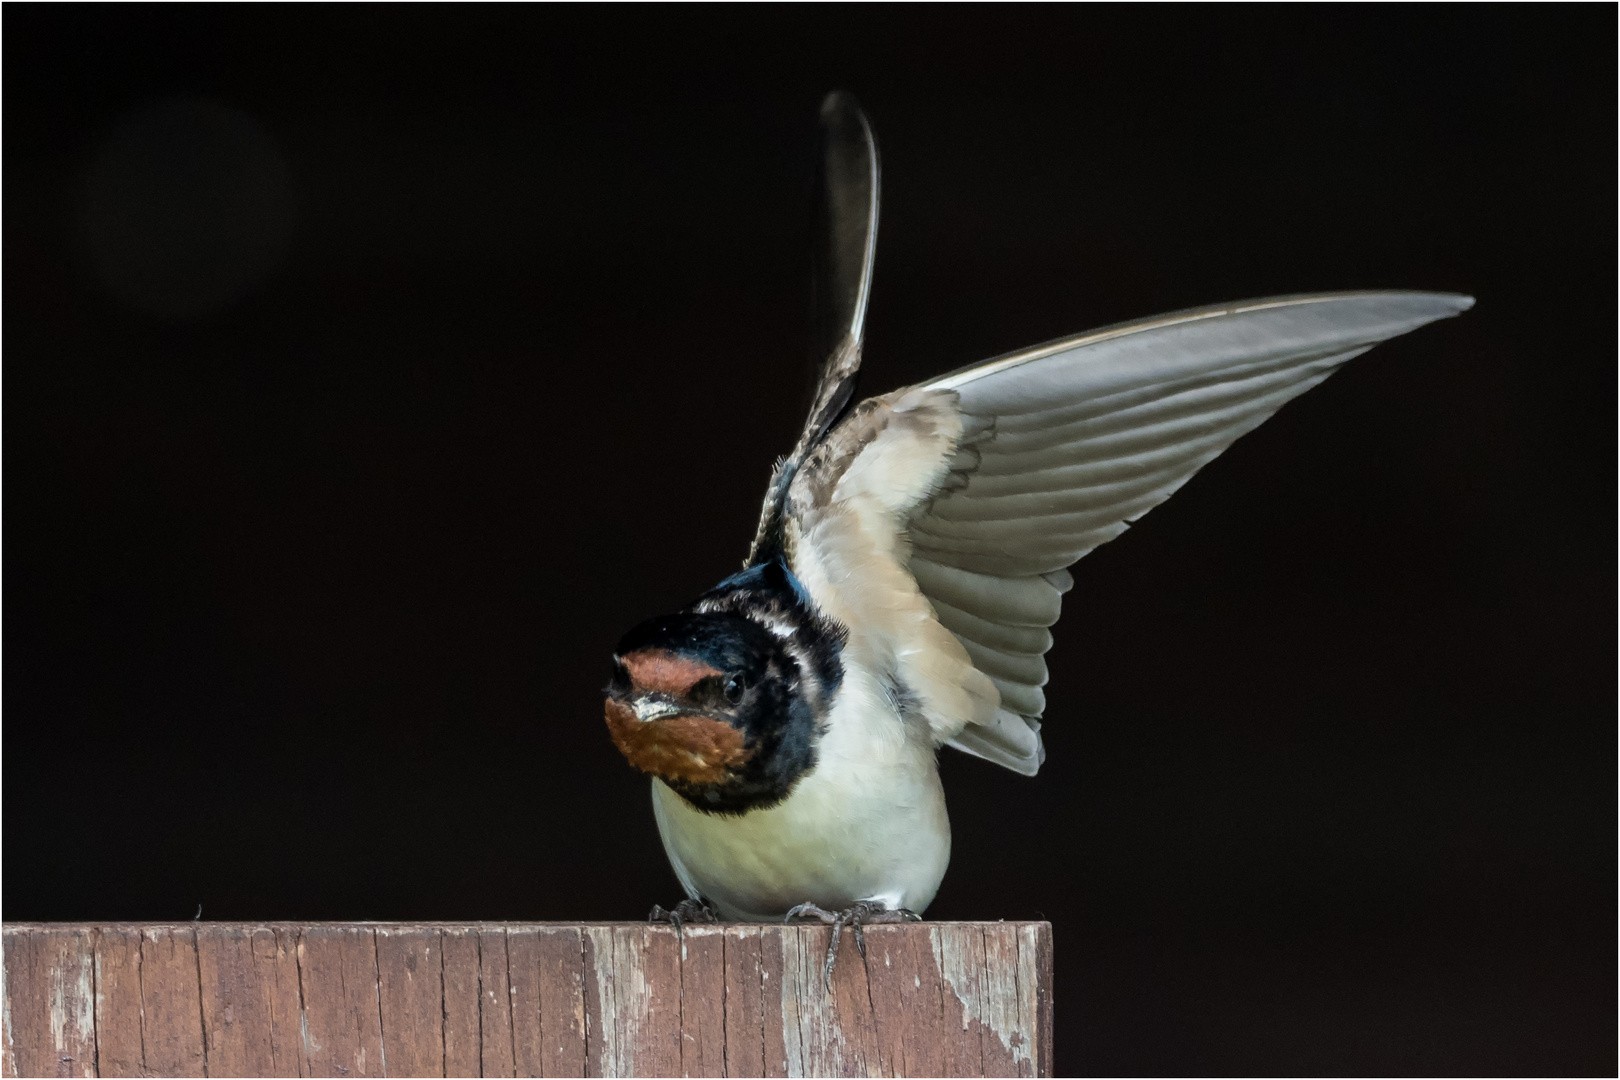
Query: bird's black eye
{"points": [[733, 688]]}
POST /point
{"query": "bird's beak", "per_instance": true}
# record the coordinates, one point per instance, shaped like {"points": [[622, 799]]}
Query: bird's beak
{"points": [[649, 709]]}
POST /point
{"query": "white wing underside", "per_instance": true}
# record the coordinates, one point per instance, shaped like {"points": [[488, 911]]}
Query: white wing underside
{"points": [[937, 522]]}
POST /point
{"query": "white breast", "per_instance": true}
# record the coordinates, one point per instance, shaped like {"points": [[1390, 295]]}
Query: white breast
{"points": [[867, 823]]}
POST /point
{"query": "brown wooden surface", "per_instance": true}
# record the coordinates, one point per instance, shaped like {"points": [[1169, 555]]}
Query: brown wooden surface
{"points": [[595, 999]]}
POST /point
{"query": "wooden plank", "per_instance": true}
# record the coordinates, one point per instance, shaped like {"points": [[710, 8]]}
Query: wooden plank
{"points": [[959, 955], [171, 1005], [703, 1001], [120, 1047], [1046, 1034], [504, 966], [596, 971], [249, 1001], [561, 952], [774, 1004], [463, 1042], [914, 1038], [49, 999], [521, 1025], [1006, 1013], [744, 1017], [410, 991], [941, 999], [235, 1017], [1028, 993], [1035, 941], [852, 1018], [834, 1033], [642, 1018], [276, 949], [343, 1025], [632, 1000], [791, 982]]}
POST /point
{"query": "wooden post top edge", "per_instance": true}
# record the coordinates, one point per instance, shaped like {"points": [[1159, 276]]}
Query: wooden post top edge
{"points": [[421, 924]]}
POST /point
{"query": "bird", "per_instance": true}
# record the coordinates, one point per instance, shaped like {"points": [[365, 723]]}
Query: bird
{"points": [[910, 561]]}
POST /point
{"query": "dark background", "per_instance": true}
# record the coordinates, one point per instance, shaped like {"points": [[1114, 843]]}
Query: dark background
{"points": [[368, 371]]}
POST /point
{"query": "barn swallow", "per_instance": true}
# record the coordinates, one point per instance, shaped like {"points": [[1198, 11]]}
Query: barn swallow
{"points": [[910, 560]]}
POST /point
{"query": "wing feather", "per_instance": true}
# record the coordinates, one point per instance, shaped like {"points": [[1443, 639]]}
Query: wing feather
{"points": [[848, 208], [1020, 698], [1008, 667], [1073, 441], [987, 483], [1007, 739], [1018, 432], [1018, 601], [1016, 640], [1167, 437]]}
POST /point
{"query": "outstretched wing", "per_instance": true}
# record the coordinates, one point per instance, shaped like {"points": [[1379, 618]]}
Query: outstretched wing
{"points": [[1066, 444], [848, 215], [936, 523]]}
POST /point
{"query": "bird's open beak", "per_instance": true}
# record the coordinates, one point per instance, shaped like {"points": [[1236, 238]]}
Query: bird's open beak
{"points": [[649, 709]]}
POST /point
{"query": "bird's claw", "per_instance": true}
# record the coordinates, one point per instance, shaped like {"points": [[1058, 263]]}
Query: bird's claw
{"points": [[686, 911], [859, 914]]}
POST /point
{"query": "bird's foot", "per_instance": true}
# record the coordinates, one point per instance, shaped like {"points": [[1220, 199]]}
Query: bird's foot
{"points": [[861, 913], [686, 911]]}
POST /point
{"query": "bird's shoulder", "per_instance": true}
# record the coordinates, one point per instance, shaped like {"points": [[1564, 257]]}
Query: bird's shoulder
{"points": [[845, 540]]}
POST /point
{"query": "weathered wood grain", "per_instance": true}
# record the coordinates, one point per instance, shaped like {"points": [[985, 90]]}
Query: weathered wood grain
{"points": [[198, 999], [342, 1019], [410, 990], [1004, 1051], [1013, 1015], [744, 1008], [250, 1011], [561, 951], [505, 978], [647, 1005], [463, 1035], [49, 1006], [774, 1007], [703, 1001], [171, 1003], [595, 942], [1039, 937], [120, 1050], [826, 1034]]}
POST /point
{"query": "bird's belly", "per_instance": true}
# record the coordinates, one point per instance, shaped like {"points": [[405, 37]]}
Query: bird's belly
{"points": [[877, 832]]}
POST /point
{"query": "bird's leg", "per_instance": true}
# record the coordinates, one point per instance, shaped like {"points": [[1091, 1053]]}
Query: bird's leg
{"points": [[862, 912], [686, 911]]}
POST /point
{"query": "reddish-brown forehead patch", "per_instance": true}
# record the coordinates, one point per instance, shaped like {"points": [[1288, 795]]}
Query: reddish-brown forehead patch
{"points": [[694, 749], [665, 672]]}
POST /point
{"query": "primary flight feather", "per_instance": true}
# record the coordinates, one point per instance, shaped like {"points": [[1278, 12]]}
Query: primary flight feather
{"points": [[910, 561]]}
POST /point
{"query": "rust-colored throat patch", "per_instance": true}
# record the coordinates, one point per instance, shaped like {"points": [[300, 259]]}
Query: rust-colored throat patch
{"points": [[685, 746]]}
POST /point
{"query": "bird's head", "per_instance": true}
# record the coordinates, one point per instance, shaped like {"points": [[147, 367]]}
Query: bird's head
{"points": [[711, 703]]}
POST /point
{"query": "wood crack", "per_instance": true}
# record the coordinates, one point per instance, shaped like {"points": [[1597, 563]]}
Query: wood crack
{"points": [[95, 1003], [483, 1069], [202, 1020], [376, 971], [140, 985], [511, 1012], [759, 971], [303, 1009], [871, 1005], [444, 1014]]}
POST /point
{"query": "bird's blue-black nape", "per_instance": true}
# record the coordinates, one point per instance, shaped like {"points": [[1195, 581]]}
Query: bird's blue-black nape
{"points": [[769, 576], [769, 593]]}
